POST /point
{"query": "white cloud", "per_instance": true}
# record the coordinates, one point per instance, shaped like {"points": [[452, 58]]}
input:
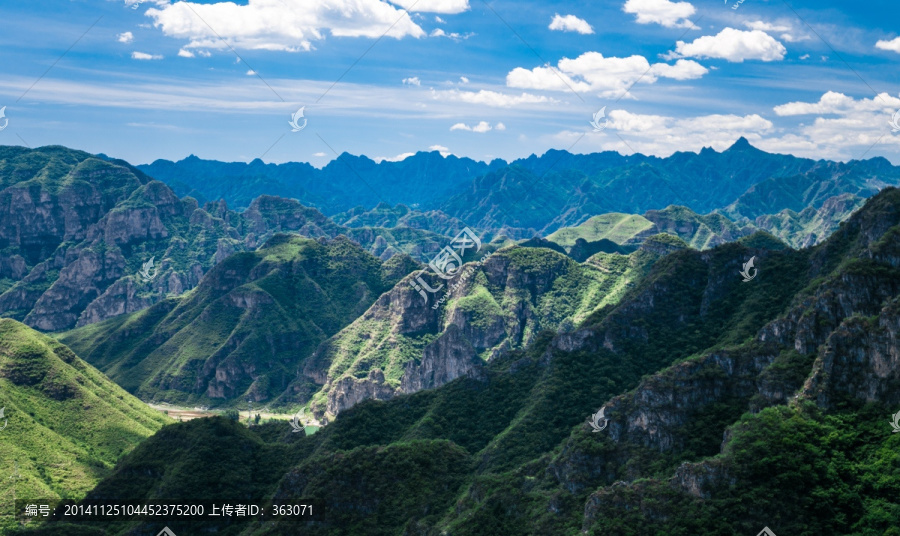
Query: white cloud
{"points": [[490, 98], [412, 81], [126, 37], [439, 20], [400, 157], [570, 23], [766, 26], [251, 72], [448, 7], [481, 127], [445, 152], [662, 135], [145, 56], [850, 130], [606, 76], [319, 154], [463, 80], [893, 45], [836, 103], [438, 32], [664, 12], [288, 25], [804, 57], [734, 45], [185, 53]]}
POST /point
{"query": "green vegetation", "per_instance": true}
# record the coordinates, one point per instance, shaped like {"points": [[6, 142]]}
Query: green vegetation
{"points": [[617, 227], [67, 423], [264, 312]]}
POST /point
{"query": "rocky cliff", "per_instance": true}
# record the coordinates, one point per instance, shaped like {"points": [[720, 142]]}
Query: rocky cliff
{"points": [[404, 344]]}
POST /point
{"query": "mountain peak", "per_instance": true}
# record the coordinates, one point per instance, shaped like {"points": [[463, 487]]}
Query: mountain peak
{"points": [[740, 144]]}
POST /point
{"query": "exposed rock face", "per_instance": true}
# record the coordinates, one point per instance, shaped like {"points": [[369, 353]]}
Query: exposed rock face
{"points": [[245, 329], [490, 308], [850, 325], [450, 356], [76, 231], [861, 361]]}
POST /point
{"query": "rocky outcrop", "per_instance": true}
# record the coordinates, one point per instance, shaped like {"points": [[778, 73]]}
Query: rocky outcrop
{"points": [[860, 362], [76, 231]]}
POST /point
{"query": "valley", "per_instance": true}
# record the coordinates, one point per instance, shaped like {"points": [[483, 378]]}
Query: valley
{"points": [[460, 413]]}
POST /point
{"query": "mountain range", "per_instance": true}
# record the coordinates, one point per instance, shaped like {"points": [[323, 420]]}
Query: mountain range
{"points": [[540, 194], [727, 405]]}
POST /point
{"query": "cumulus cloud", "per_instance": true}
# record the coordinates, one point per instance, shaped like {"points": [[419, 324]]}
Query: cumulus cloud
{"points": [[662, 135], [833, 102], [185, 53], [287, 25], [664, 12], [570, 23], [893, 45], [843, 127], [490, 98], [319, 154], [592, 72], [734, 45], [463, 80], [145, 56], [412, 81], [251, 72], [481, 127], [447, 7], [126, 37]]}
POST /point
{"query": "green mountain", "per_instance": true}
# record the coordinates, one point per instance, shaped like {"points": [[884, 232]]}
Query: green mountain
{"points": [[246, 328], [78, 230], [64, 423], [404, 344], [731, 405]]}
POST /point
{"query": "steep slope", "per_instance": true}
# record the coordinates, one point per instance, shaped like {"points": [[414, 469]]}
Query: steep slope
{"points": [[248, 325], [797, 370], [76, 232], [403, 344], [65, 424]]}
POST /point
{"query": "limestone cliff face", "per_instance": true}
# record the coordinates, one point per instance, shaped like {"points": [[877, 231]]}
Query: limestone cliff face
{"points": [[491, 307], [76, 231]]}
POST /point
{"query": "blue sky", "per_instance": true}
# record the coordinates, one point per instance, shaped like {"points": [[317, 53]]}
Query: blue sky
{"points": [[499, 79]]}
